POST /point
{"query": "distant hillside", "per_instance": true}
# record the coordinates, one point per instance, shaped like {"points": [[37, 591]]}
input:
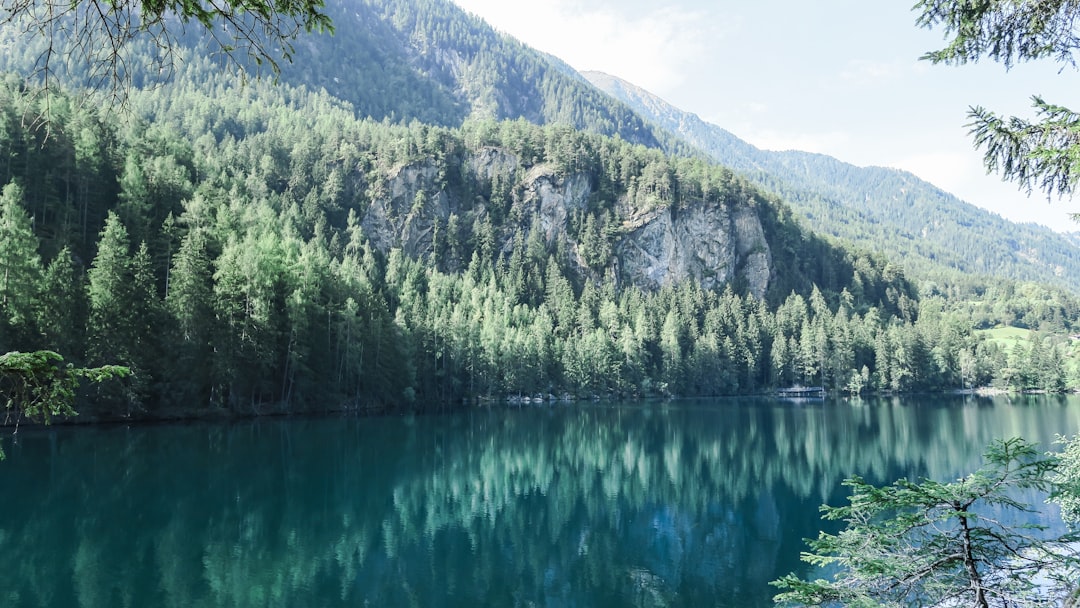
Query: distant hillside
{"points": [[931, 232], [431, 61], [401, 60]]}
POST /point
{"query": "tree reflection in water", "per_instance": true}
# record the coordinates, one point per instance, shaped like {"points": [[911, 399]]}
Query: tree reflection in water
{"points": [[686, 503]]}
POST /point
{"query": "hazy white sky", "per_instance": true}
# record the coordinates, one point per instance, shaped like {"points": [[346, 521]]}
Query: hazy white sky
{"points": [[840, 77]]}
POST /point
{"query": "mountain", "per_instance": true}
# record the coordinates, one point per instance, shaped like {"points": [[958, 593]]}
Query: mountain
{"points": [[395, 60], [429, 61], [261, 249], [931, 232], [258, 246]]}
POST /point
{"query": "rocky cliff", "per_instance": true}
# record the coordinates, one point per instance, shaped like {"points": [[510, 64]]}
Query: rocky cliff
{"points": [[709, 241]]}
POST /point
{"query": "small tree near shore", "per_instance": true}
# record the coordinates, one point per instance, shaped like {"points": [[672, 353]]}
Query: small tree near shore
{"points": [[964, 543]]}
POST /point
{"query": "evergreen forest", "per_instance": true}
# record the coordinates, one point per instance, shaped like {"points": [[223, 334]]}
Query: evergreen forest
{"points": [[256, 247]]}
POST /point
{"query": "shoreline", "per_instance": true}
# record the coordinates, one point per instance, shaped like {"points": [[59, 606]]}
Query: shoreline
{"points": [[219, 414]]}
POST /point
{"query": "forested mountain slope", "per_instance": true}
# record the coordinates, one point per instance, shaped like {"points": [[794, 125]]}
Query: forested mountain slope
{"points": [[429, 60], [399, 60], [260, 249], [268, 246], [911, 221]]}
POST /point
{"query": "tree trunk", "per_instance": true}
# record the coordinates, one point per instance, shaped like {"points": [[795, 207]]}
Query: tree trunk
{"points": [[974, 578]]}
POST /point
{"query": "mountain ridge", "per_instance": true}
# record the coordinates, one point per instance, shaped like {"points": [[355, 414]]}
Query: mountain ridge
{"points": [[430, 61], [881, 208], [477, 71]]}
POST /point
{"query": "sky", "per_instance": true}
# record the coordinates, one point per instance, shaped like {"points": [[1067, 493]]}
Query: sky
{"points": [[839, 77]]}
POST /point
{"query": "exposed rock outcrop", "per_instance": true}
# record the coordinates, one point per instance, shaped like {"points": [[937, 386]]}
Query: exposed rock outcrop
{"points": [[708, 241], [405, 209], [554, 199]]}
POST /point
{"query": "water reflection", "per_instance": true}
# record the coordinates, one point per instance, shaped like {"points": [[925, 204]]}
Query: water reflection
{"points": [[689, 503]]}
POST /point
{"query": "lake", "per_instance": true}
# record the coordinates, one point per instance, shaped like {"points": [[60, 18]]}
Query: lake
{"points": [[683, 503]]}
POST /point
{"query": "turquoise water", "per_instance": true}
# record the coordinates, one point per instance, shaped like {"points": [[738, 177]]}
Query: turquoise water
{"points": [[687, 503]]}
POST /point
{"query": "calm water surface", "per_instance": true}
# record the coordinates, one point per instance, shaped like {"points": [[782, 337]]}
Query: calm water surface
{"points": [[695, 503]]}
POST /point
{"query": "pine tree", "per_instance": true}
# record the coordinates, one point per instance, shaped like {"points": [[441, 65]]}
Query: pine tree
{"points": [[63, 306], [190, 304], [929, 543], [110, 325], [135, 205], [20, 272], [147, 326], [113, 325], [671, 349]]}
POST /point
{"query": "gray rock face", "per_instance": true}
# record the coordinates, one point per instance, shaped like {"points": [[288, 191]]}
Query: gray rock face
{"points": [[707, 241], [490, 163], [554, 199], [405, 210], [753, 257]]}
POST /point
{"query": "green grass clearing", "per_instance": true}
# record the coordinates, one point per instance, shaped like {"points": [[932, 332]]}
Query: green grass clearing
{"points": [[1005, 336]]}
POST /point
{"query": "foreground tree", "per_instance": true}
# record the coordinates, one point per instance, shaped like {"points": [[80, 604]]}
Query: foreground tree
{"points": [[1067, 479], [38, 386], [1043, 154], [95, 34], [964, 543]]}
